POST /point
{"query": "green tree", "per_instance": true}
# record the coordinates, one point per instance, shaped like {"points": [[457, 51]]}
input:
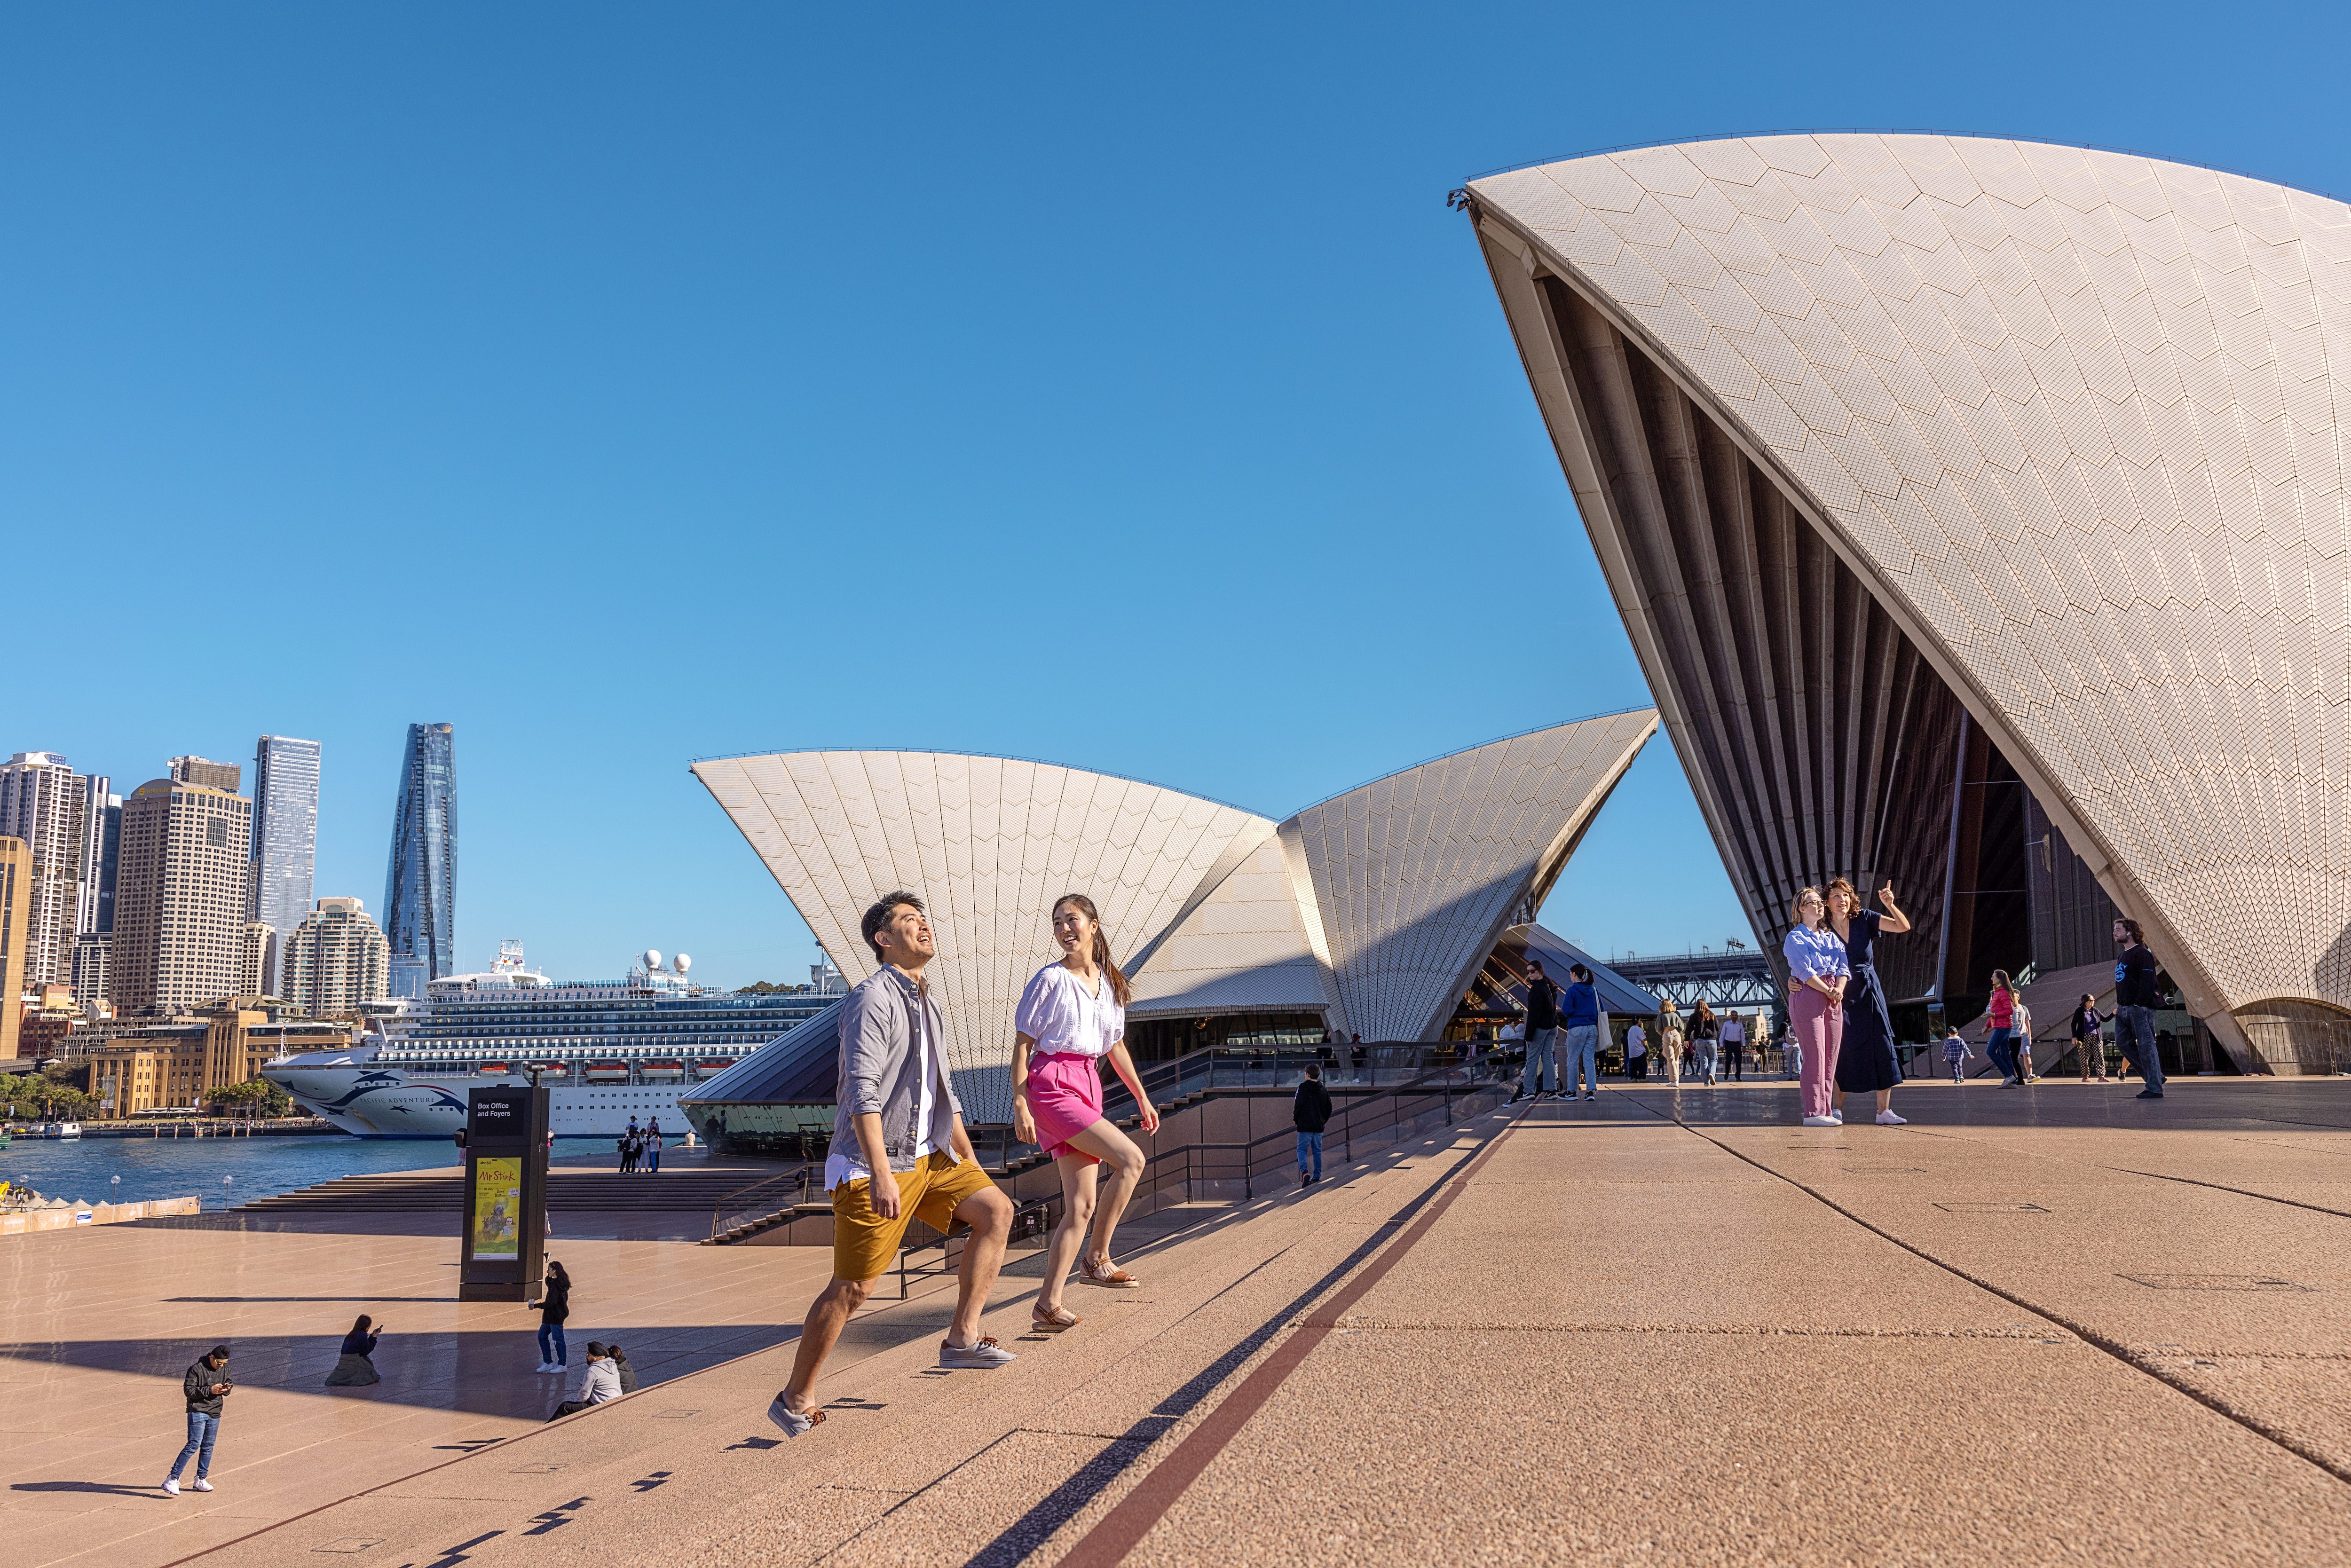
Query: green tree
{"points": [[253, 1097]]}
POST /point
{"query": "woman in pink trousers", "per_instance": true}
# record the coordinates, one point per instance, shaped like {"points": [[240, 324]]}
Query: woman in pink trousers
{"points": [[1818, 969]]}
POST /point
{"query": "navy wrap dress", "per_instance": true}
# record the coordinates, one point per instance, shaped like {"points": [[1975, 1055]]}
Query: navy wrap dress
{"points": [[1866, 1064]]}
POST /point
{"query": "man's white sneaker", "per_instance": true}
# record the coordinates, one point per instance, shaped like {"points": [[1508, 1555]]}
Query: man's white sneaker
{"points": [[200, 1484], [791, 1422], [1819, 1122], [1888, 1119], [173, 1486], [542, 1366]]}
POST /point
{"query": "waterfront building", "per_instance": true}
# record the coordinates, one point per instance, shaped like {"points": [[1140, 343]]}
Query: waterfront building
{"points": [[284, 837], [16, 900], [1977, 511], [420, 885], [223, 776], [335, 960], [180, 911], [40, 802], [256, 959], [174, 1065], [101, 849], [1370, 913]]}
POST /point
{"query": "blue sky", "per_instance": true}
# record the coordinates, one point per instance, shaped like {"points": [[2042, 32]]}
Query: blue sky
{"points": [[629, 384]]}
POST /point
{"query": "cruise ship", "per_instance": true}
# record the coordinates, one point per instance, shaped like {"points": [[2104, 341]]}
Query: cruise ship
{"points": [[607, 1050]]}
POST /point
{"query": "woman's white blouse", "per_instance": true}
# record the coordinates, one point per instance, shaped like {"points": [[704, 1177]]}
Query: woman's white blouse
{"points": [[1060, 1014], [1815, 953]]}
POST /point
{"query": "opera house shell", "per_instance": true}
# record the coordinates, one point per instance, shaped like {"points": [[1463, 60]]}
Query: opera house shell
{"points": [[1923, 465], [1369, 914]]}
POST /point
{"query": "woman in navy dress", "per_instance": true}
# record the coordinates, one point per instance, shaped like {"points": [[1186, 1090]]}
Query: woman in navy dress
{"points": [[1865, 1064]]}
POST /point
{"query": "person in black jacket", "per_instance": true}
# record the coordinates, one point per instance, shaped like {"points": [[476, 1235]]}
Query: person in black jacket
{"points": [[555, 1306], [1541, 1075], [1310, 1112], [2135, 1000], [356, 1370], [205, 1384]]}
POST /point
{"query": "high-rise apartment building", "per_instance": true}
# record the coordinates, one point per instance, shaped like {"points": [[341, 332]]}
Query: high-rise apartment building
{"points": [[256, 957], [335, 960], [92, 951], [15, 888], [40, 802], [179, 921], [284, 837], [419, 891], [101, 849], [224, 775]]}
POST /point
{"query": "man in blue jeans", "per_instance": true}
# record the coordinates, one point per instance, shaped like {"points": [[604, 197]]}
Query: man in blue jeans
{"points": [[1310, 1112], [2136, 1000], [1541, 1075], [206, 1384], [1579, 1017]]}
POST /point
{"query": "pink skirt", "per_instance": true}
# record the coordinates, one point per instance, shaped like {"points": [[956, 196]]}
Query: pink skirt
{"points": [[1065, 1097]]}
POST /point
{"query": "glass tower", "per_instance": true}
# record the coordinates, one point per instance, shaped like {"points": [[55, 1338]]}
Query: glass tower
{"points": [[419, 886], [285, 838]]}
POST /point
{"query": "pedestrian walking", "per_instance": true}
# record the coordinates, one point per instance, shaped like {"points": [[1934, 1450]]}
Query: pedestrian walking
{"points": [[1581, 1021], [205, 1385], [1706, 1038], [1310, 1112], [1540, 1075], [1636, 1052], [1865, 1060], [1954, 1056], [553, 1307], [1730, 1047], [1671, 1040], [2024, 1027], [2000, 1030], [653, 1146], [1819, 968], [1071, 1016], [2135, 1000], [355, 1368], [600, 1383], [2089, 1043]]}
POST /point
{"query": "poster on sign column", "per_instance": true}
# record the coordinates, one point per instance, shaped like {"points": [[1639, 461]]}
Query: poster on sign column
{"points": [[497, 1208]]}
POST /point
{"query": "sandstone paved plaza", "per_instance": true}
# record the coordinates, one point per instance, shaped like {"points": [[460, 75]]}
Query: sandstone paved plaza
{"points": [[2057, 1324]]}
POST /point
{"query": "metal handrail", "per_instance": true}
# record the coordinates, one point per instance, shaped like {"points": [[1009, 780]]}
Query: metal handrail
{"points": [[738, 1206]]}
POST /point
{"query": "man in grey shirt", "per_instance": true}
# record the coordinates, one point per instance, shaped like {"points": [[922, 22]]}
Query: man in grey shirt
{"points": [[899, 1152]]}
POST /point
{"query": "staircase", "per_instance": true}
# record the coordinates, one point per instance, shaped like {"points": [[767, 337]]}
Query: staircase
{"points": [[568, 1191]]}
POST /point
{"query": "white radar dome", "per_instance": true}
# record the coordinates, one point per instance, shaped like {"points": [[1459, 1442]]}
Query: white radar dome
{"points": [[653, 959], [681, 963]]}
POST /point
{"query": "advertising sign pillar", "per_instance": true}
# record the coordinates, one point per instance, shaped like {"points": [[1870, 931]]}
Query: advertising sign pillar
{"points": [[505, 1243]]}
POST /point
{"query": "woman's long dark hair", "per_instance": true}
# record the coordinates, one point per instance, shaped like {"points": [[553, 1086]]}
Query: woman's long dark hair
{"points": [[561, 1277], [1118, 985], [361, 1326]]}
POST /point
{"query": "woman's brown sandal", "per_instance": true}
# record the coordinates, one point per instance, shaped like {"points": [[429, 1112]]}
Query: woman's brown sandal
{"points": [[1104, 1274], [1053, 1322]]}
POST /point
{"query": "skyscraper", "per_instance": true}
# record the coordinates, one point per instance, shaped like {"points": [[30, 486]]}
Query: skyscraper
{"points": [[335, 960], [101, 851], [212, 775], [285, 838], [16, 884], [179, 925], [40, 802], [419, 886]]}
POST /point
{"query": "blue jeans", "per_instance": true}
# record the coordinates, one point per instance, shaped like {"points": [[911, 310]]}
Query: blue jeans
{"points": [[1542, 1071], [2134, 1032], [551, 1347], [2001, 1046], [1310, 1143], [652, 1159], [201, 1430], [1583, 1054]]}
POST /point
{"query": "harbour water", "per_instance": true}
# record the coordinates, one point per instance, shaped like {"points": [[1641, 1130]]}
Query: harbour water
{"points": [[78, 1169]]}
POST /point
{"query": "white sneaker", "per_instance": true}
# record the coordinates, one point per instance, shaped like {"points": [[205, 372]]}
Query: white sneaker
{"points": [[200, 1484], [1838, 1117], [1819, 1122], [173, 1486], [545, 1367], [1888, 1119]]}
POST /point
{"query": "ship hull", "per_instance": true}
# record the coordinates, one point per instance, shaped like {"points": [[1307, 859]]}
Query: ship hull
{"points": [[389, 1103]]}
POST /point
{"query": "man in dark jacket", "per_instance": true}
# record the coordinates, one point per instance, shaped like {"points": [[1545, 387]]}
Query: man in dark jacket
{"points": [[205, 1384], [2135, 1000], [1542, 1076], [1310, 1112]]}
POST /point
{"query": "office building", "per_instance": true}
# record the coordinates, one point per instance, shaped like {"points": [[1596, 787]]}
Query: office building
{"points": [[163, 1067], [40, 802], [1372, 913], [420, 885], [335, 960], [284, 836], [93, 950], [179, 926], [256, 959], [226, 777], [101, 849], [15, 901], [1977, 510]]}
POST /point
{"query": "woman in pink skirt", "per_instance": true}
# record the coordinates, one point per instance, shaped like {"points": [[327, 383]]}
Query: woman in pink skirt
{"points": [[1071, 1016]]}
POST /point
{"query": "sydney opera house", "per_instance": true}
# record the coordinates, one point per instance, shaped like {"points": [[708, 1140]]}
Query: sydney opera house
{"points": [[1373, 912], [1977, 511]]}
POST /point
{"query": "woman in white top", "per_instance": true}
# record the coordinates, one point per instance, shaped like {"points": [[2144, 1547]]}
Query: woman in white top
{"points": [[1071, 1016]]}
